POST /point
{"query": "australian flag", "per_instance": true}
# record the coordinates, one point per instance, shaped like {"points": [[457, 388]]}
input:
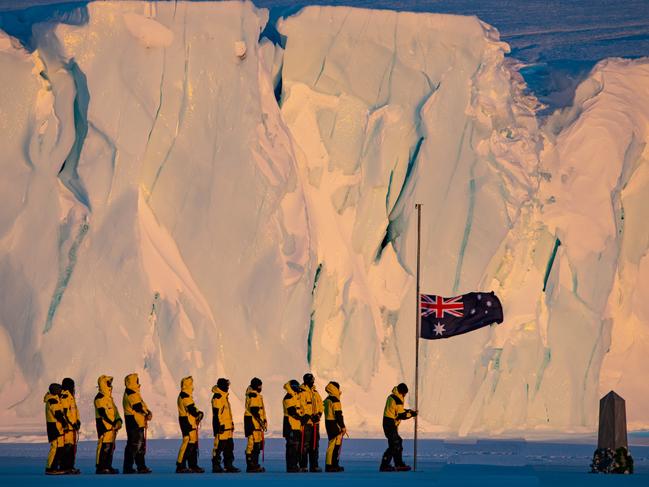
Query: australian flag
{"points": [[447, 317]]}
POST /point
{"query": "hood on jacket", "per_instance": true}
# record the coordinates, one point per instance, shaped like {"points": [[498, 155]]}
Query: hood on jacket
{"points": [[333, 390], [289, 389], [132, 382], [105, 384], [396, 392], [187, 384], [48, 396]]}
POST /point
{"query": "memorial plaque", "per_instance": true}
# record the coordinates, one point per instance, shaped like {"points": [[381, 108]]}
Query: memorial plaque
{"points": [[612, 454], [612, 422]]}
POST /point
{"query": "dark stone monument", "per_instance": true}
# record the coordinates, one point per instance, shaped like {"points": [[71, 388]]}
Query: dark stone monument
{"points": [[612, 454]]}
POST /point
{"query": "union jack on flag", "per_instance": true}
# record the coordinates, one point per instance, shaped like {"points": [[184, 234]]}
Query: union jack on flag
{"points": [[446, 317], [431, 304]]}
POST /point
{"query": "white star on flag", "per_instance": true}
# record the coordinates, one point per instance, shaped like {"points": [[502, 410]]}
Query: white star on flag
{"points": [[439, 329]]}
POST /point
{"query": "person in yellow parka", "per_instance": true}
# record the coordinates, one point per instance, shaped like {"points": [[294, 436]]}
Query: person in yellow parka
{"points": [[137, 416], [335, 425], [223, 427], [71, 430], [189, 418], [254, 425], [55, 422], [108, 422], [294, 421], [311, 404], [393, 414]]}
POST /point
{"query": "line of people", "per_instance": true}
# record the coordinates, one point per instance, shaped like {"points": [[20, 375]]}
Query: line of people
{"points": [[303, 410]]}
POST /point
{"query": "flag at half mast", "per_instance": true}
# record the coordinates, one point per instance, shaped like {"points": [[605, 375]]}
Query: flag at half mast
{"points": [[446, 317]]}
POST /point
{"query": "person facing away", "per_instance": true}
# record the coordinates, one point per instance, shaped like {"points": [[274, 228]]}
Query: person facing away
{"points": [[55, 423], [335, 426], [108, 423], [254, 425], [311, 404], [223, 428], [72, 426], [294, 421], [189, 418], [137, 416], [393, 414]]}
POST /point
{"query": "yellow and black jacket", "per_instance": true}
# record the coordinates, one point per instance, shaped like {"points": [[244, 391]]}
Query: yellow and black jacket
{"points": [[254, 419], [292, 411], [188, 414], [311, 403], [54, 416], [70, 410], [106, 414], [221, 412], [334, 422], [394, 411], [136, 412]]}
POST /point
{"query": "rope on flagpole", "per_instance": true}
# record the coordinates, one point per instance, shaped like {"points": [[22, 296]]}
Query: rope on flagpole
{"points": [[417, 332]]}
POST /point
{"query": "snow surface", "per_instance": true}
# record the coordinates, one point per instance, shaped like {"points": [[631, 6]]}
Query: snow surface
{"points": [[439, 463], [163, 213]]}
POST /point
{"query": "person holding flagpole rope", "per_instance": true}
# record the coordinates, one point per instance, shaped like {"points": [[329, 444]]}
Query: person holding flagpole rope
{"points": [[393, 414]]}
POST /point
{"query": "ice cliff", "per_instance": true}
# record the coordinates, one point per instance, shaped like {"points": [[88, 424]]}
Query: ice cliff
{"points": [[182, 196]]}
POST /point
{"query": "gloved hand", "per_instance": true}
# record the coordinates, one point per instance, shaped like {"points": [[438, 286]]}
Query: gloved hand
{"points": [[149, 416], [305, 419], [265, 425], [200, 416], [221, 429], [412, 412], [118, 424], [343, 431], [315, 418], [77, 425]]}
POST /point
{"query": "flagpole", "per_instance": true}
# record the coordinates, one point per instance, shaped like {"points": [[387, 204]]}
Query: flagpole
{"points": [[417, 332]]}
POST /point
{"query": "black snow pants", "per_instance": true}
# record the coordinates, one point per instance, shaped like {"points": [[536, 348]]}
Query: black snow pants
{"points": [[395, 445], [293, 439], [135, 449], [310, 447], [226, 447]]}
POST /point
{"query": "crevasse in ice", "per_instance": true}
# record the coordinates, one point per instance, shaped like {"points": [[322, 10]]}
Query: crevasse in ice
{"points": [[163, 212]]}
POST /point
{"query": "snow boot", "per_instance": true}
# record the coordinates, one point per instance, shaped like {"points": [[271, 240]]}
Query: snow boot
{"points": [[403, 468], [231, 469], [252, 466], [387, 468], [192, 458], [54, 471], [216, 464], [143, 469], [67, 462]]}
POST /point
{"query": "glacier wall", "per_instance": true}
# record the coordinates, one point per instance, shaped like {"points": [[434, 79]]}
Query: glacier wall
{"points": [[181, 197]]}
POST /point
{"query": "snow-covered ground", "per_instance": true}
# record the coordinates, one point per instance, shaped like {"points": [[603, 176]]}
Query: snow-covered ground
{"points": [[497, 463], [180, 197]]}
